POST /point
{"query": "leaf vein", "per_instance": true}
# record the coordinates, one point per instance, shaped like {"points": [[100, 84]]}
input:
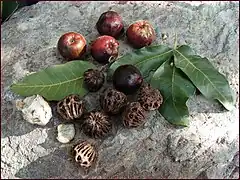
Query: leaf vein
{"points": [[203, 75], [48, 85], [153, 57]]}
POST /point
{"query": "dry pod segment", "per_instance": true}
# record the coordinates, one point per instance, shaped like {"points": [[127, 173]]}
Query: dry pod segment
{"points": [[85, 154], [133, 115], [70, 108], [149, 98], [112, 101], [96, 124], [93, 79]]}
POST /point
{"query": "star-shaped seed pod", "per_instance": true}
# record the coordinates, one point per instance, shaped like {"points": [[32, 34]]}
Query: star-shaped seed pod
{"points": [[85, 154], [133, 115], [113, 101], [70, 108], [93, 79], [149, 97], [96, 124]]}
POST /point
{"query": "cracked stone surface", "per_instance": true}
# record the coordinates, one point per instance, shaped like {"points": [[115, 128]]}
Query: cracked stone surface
{"points": [[208, 148]]}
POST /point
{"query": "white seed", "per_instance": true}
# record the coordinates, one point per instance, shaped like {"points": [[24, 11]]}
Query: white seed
{"points": [[66, 133]]}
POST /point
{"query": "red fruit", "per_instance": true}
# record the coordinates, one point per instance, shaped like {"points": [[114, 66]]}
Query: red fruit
{"points": [[140, 34], [71, 45], [110, 23], [104, 49]]}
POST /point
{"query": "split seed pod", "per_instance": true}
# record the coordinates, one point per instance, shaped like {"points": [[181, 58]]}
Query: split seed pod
{"points": [[133, 115], [70, 108], [85, 154], [93, 79], [96, 124], [112, 101], [149, 98]]}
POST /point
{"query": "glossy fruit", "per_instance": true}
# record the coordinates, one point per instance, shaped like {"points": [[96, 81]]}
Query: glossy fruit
{"points": [[104, 49], [71, 45], [140, 34], [127, 79], [110, 23]]}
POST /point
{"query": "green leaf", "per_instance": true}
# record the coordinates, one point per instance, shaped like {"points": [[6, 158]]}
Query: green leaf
{"points": [[175, 89], [56, 82], [204, 76], [146, 59], [8, 8]]}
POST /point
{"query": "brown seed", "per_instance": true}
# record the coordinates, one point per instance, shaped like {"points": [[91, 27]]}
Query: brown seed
{"points": [[93, 79], [133, 115], [96, 124], [113, 101], [85, 154], [70, 108], [149, 97]]}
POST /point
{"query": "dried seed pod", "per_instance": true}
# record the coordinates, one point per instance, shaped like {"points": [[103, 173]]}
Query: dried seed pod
{"points": [[85, 154], [149, 98], [96, 124], [93, 79], [70, 108], [112, 101], [133, 115]]}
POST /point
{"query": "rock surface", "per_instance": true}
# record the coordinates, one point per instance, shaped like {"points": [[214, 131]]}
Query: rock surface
{"points": [[208, 148]]}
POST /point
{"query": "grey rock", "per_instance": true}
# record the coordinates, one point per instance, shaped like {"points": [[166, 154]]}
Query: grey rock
{"points": [[208, 148]]}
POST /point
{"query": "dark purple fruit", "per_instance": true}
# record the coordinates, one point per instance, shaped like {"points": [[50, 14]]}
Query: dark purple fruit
{"points": [[127, 79], [110, 23], [104, 49]]}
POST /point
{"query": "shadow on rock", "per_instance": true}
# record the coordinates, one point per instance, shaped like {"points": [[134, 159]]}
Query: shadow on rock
{"points": [[55, 165], [12, 123]]}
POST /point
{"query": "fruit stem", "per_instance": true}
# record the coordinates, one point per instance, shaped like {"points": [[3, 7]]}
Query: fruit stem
{"points": [[175, 41], [106, 66]]}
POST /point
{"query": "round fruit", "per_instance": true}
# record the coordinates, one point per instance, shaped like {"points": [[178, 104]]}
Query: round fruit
{"points": [[140, 34], [71, 45], [110, 23], [127, 79], [104, 49], [93, 79]]}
